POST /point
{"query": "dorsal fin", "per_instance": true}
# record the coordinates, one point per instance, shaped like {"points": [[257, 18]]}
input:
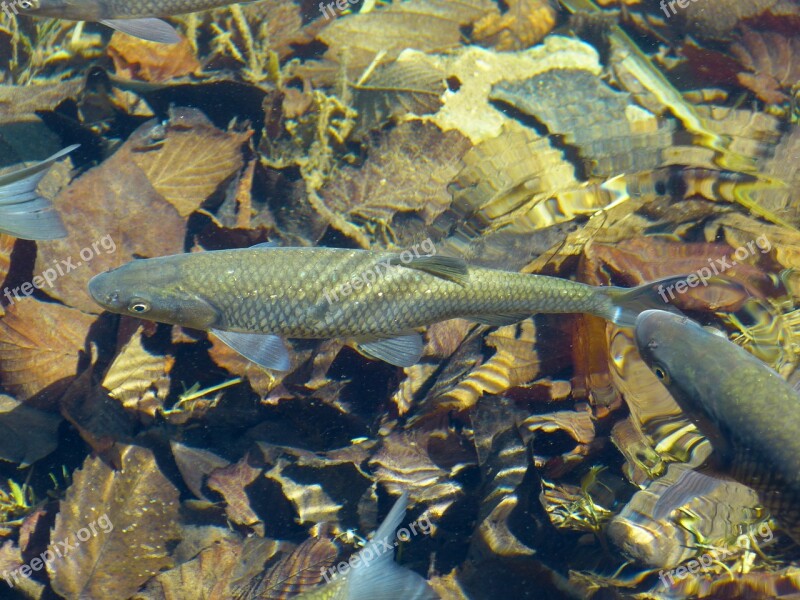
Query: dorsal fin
{"points": [[446, 267]]}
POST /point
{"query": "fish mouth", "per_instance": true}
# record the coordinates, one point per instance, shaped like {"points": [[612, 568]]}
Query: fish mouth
{"points": [[101, 293]]}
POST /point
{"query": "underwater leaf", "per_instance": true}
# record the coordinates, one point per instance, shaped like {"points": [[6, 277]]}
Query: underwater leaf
{"points": [[231, 482], [297, 572], [516, 362], [100, 419], [142, 60], [192, 159], [195, 464], [112, 213], [41, 345], [404, 462], [130, 516], [407, 86], [26, 433], [523, 24], [772, 64], [207, 576], [717, 20], [425, 25], [407, 172], [138, 379]]}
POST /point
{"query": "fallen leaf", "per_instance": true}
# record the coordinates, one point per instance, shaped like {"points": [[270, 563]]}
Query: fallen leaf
{"points": [[26, 434], [139, 59], [231, 482], [524, 23], [129, 518], [771, 62], [41, 345]]}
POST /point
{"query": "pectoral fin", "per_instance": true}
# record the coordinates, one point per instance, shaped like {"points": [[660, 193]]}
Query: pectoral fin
{"points": [[446, 267], [153, 30], [400, 351], [264, 349]]}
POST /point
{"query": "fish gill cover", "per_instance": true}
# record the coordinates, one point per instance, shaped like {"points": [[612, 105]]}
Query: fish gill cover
{"points": [[613, 145]]}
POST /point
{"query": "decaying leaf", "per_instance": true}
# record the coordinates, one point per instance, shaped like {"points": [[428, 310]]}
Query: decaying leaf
{"points": [[772, 64], [208, 576], [231, 482], [524, 23], [135, 58], [122, 522], [195, 464], [190, 159], [408, 172], [26, 434], [515, 363], [139, 379], [407, 86], [426, 25], [404, 462], [41, 347]]}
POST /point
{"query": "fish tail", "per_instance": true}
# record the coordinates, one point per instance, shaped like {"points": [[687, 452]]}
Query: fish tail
{"points": [[623, 305]]}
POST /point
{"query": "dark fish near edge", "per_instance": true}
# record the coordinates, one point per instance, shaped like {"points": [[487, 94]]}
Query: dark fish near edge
{"points": [[23, 212], [750, 414], [134, 17], [377, 299]]}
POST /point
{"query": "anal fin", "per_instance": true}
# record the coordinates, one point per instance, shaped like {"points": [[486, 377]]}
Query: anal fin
{"points": [[400, 351]]}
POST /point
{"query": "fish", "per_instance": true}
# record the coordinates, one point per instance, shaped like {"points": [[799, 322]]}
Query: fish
{"points": [[139, 18], [23, 212], [374, 574], [749, 413], [252, 298]]}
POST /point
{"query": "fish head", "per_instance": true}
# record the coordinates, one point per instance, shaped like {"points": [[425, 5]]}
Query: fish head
{"points": [[152, 289], [46, 7], [683, 356]]}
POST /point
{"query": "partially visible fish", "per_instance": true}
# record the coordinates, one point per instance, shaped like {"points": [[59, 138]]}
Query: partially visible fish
{"points": [[374, 575], [749, 413], [23, 212], [377, 299], [138, 18]]}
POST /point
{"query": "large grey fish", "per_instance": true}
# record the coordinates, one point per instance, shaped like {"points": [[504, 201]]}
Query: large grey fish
{"points": [[23, 212], [134, 17], [376, 299], [750, 414], [372, 574]]}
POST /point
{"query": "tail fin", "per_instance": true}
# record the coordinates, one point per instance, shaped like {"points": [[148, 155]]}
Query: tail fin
{"points": [[378, 577], [25, 214], [625, 304]]}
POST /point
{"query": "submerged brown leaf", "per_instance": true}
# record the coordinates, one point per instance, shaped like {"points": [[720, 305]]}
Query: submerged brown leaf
{"points": [[41, 345], [191, 159], [135, 58], [138, 379], [426, 25], [231, 482], [407, 172], [26, 434], [129, 517], [408, 86], [297, 572], [524, 23], [207, 576], [772, 64]]}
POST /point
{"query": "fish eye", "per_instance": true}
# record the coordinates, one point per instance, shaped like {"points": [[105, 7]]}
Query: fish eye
{"points": [[139, 306], [661, 373]]}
